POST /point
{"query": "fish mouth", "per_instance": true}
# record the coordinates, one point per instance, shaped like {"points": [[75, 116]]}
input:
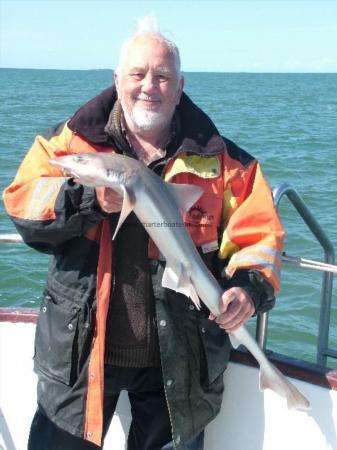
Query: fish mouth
{"points": [[66, 170], [55, 162]]}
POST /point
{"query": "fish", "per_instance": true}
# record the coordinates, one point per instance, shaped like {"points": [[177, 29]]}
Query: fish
{"points": [[159, 206]]}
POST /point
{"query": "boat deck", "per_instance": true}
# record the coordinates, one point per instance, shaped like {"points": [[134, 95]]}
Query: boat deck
{"points": [[249, 419]]}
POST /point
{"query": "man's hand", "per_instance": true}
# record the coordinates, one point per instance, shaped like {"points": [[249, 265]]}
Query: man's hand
{"points": [[236, 306], [109, 200]]}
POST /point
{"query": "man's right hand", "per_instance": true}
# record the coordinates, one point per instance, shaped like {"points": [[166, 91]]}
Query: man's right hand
{"points": [[109, 200]]}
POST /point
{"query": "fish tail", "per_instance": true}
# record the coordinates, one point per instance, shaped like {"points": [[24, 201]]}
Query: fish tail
{"points": [[272, 378]]}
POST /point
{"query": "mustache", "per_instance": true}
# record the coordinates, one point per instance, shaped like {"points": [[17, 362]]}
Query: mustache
{"points": [[154, 97]]}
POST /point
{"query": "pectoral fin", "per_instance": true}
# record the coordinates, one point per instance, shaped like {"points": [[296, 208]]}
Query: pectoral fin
{"points": [[176, 278], [127, 207]]}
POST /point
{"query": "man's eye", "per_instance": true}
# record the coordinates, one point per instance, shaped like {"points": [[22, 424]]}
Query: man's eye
{"points": [[137, 75], [162, 78]]}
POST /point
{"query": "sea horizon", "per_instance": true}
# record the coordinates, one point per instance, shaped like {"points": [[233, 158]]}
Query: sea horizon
{"points": [[183, 71]]}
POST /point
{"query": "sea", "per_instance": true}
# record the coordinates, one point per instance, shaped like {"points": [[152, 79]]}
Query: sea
{"points": [[287, 121]]}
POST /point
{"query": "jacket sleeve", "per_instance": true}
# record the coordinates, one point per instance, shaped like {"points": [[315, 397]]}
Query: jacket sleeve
{"points": [[252, 236], [46, 207]]}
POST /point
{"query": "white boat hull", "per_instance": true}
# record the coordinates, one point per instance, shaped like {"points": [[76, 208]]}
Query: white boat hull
{"points": [[249, 419]]}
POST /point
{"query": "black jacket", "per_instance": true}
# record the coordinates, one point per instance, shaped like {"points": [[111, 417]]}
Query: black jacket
{"points": [[60, 217]]}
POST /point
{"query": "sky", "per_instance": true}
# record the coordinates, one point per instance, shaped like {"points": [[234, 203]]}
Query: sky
{"points": [[222, 35]]}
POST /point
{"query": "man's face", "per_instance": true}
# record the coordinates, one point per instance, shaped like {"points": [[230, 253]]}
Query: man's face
{"points": [[148, 85]]}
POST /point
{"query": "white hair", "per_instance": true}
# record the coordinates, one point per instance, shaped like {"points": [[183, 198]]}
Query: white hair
{"points": [[148, 26]]}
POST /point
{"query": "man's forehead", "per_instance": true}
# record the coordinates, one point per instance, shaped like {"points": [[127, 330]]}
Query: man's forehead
{"points": [[160, 68]]}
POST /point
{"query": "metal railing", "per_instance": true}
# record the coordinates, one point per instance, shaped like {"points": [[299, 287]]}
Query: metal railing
{"points": [[323, 350], [11, 239]]}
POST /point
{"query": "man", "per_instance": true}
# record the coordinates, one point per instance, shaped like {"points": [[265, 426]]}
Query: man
{"points": [[106, 323]]}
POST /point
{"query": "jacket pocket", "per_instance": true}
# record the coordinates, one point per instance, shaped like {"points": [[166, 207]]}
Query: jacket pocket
{"points": [[56, 331], [215, 349]]}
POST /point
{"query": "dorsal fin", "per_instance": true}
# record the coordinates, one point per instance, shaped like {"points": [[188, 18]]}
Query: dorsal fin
{"points": [[185, 195]]}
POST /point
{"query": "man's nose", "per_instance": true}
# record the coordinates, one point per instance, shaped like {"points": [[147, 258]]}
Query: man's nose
{"points": [[149, 83]]}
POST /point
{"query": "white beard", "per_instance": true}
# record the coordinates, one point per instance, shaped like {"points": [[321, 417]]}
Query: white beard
{"points": [[146, 119]]}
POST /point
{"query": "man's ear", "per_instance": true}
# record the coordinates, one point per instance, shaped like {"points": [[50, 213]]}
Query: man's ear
{"points": [[116, 80], [180, 89]]}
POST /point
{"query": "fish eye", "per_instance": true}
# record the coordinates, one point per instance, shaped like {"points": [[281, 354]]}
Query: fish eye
{"points": [[80, 159]]}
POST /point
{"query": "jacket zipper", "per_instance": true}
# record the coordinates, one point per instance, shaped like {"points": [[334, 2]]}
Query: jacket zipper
{"points": [[165, 163], [170, 416]]}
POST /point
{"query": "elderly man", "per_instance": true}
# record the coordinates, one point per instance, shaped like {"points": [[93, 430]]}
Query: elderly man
{"points": [[106, 323]]}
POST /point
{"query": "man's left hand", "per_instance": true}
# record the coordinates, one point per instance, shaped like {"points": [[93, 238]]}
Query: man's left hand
{"points": [[236, 307]]}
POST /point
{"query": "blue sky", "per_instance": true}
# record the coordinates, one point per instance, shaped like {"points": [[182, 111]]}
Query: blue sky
{"points": [[223, 35]]}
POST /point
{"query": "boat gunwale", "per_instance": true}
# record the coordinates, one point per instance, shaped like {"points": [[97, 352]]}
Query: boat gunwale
{"points": [[292, 367]]}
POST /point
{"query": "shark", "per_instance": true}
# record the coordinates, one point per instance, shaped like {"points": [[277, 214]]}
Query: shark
{"points": [[159, 205]]}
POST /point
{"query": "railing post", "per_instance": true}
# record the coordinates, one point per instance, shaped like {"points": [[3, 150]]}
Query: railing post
{"points": [[261, 329], [327, 278]]}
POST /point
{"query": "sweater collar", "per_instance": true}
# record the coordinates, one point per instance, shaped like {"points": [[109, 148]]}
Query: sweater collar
{"points": [[116, 130]]}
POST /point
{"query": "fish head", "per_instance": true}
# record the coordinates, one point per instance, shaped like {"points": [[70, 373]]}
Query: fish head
{"points": [[86, 168]]}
